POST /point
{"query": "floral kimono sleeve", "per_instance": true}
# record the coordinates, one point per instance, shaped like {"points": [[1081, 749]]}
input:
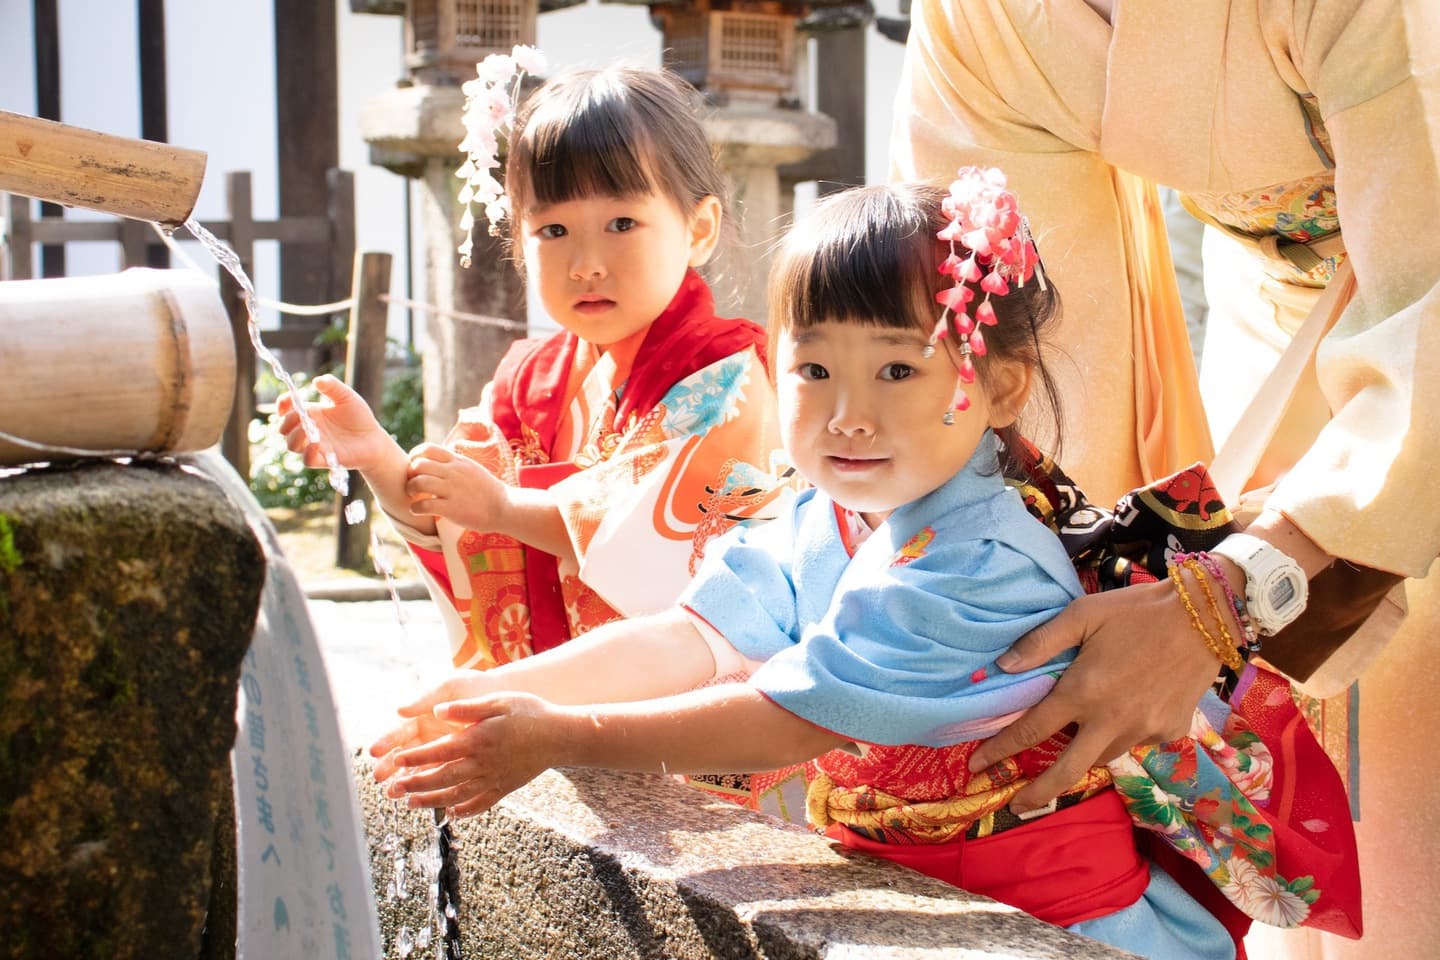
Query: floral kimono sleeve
{"points": [[1251, 798], [443, 566], [699, 461]]}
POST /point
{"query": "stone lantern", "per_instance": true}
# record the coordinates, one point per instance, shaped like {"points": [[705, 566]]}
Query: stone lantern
{"points": [[736, 52], [444, 39], [415, 130]]}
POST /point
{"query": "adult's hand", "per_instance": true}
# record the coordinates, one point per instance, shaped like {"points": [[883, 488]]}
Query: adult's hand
{"points": [[1138, 677]]}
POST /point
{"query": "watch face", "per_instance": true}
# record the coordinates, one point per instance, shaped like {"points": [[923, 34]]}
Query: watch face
{"points": [[1282, 593]]}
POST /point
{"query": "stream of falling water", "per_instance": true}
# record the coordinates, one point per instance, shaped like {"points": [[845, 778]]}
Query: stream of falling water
{"points": [[227, 258], [338, 476], [427, 864]]}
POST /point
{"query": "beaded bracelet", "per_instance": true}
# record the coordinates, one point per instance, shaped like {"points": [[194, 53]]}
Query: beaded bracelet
{"points": [[1237, 604], [1197, 570], [1225, 653]]}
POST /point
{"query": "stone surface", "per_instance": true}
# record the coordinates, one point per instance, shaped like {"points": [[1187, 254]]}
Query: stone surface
{"points": [[127, 599], [753, 143], [591, 864]]}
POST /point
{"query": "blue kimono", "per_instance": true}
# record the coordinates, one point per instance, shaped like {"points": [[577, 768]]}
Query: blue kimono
{"points": [[897, 643]]}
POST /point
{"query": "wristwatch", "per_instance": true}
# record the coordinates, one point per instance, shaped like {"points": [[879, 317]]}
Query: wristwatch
{"points": [[1276, 589]]}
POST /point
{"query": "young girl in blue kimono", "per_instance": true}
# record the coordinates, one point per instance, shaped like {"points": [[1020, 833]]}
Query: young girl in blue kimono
{"points": [[864, 620]]}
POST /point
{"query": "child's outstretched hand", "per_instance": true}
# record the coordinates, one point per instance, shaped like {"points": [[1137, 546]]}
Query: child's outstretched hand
{"points": [[347, 426], [421, 726], [494, 745], [444, 483]]}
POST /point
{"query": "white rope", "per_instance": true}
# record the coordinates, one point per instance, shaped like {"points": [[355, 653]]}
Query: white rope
{"points": [[291, 309], [455, 314], [316, 310]]}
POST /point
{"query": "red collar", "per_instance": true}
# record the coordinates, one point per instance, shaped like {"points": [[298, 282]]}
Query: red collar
{"points": [[529, 385]]}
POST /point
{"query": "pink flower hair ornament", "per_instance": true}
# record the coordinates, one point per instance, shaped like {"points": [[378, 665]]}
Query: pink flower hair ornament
{"points": [[490, 102], [990, 248]]}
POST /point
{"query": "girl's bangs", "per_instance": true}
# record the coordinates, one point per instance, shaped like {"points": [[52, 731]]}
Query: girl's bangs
{"points": [[873, 268], [593, 153]]}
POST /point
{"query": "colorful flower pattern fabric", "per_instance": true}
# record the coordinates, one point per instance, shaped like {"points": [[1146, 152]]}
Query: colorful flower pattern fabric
{"points": [[1250, 797], [650, 450]]}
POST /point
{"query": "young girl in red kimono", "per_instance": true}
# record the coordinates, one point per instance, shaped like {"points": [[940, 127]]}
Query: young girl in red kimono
{"points": [[600, 460], [869, 614]]}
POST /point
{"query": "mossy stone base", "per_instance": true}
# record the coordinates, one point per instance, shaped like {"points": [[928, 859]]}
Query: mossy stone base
{"points": [[128, 596]]}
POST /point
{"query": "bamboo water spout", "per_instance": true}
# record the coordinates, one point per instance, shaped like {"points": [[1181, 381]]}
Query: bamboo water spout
{"points": [[69, 165], [142, 360]]}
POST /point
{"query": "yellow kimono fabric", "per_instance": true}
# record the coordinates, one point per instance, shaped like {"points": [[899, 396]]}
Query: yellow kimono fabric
{"points": [[1238, 101]]}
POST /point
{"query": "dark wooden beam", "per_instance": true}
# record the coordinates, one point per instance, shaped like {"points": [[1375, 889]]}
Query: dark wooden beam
{"points": [[839, 94], [154, 103], [47, 107], [308, 137]]}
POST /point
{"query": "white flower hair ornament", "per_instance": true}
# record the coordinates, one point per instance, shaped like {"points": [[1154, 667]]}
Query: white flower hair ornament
{"points": [[490, 102], [990, 246]]}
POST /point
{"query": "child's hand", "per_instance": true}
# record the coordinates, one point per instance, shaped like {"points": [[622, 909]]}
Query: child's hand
{"points": [[443, 483], [346, 423], [497, 744], [421, 725]]}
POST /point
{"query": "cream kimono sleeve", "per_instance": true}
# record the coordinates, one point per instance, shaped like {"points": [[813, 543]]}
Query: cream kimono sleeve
{"points": [[1364, 490]]}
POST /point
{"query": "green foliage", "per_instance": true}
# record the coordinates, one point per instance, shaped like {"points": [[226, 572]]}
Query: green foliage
{"points": [[279, 478], [402, 408]]}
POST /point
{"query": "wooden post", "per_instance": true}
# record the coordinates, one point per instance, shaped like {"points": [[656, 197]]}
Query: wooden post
{"points": [[154, 106], [235, 444], [21, 265], [340, 213], [365, 372], [47, 105], [307, 122], [841, 95]]}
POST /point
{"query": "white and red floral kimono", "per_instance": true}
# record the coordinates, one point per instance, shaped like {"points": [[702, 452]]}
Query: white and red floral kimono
{"points": [[651, 447]]}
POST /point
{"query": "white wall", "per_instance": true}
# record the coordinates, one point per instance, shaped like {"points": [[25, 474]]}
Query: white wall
{"points": [[221, 90]]}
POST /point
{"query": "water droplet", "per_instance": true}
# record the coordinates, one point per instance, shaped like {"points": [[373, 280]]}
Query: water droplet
{"points": [[355, 512], [400, 890], [422, 939], [450, 913], [404, 943]]}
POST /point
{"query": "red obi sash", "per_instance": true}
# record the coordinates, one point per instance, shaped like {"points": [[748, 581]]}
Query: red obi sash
{"points": [[1072, 865], [528, 402]]}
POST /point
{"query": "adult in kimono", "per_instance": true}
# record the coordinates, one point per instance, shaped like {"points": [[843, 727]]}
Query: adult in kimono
{"points": [[1305, 135]]}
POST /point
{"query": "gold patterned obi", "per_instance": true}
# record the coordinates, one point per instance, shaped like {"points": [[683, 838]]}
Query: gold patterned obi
{"points": [[913, 794]]}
